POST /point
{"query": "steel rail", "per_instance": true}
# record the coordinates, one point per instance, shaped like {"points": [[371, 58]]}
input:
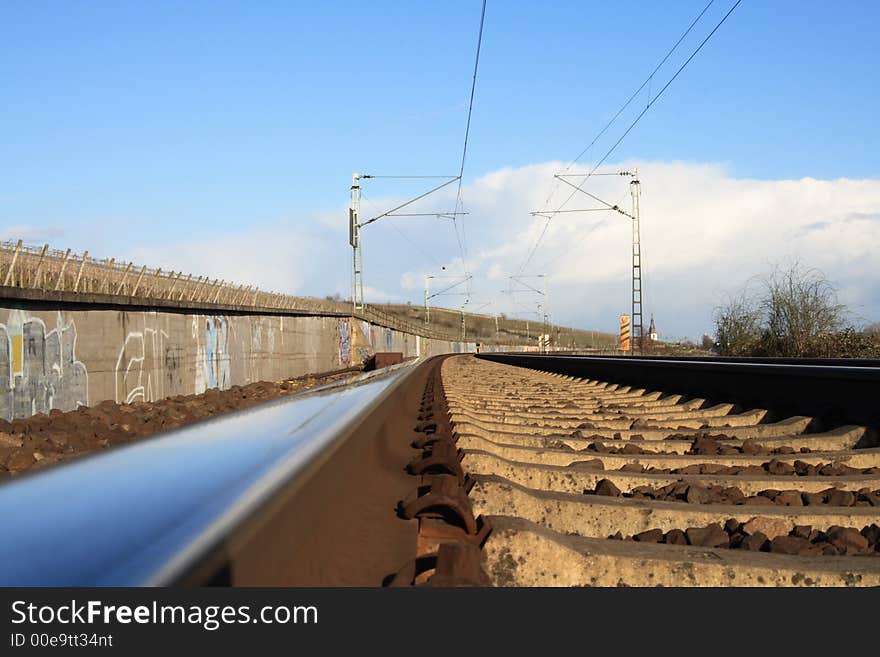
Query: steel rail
{"points": [[176, 508], [828, 390], [847, 362], [300, 491]]}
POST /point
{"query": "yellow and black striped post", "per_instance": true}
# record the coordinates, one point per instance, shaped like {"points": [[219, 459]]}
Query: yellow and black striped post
{"points": [[625, 344]]}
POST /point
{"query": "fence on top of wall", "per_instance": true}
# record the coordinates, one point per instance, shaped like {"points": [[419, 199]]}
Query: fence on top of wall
{"points": [[50, 270]]}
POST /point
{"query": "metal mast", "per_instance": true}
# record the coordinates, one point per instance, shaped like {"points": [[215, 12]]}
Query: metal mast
{"points": [[427, 307], [354, 238], [636, 321], [443, 292], [355, 225], [546, 317], [543, 311]]}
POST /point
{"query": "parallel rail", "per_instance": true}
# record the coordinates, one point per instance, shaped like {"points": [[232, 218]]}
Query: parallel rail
{"points": [[833, 389], [302, 491], [639, 472]]}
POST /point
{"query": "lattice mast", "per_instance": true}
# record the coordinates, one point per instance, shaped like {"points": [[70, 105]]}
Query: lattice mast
{"points": [[354, 238], [636, 310]]}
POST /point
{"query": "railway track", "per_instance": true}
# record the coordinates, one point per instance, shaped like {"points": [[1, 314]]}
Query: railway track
{"points": [[570, 481], [489, 471]]}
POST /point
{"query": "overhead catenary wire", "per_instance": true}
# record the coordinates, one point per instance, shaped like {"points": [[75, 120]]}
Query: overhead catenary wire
{"points": [[402, 234], [642, 86], [445, 290], [626, 104], [665, 87], [439, 215], [592, 228], [409, 202], [604, 129], [451, 179], [462, 241]]}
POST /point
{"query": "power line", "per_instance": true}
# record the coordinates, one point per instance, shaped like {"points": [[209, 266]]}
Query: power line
{"points": [[445, 290], [409, 202], [666, 86], [632, 97], [595, 226], [615, 117], [356, 225], [467, 129], [467, 132], [402, 234], [643, 85]]}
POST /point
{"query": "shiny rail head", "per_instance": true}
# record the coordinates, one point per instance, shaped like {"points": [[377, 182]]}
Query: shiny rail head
{"points": [[146, 512]]}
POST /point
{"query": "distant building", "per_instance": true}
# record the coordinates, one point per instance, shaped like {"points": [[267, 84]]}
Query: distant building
{"points": [[652, 331]]}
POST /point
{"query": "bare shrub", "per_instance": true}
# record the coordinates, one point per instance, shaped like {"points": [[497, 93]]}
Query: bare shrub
{"points": [[847, 343], [791, 312], [738, 326], [799, 307]]}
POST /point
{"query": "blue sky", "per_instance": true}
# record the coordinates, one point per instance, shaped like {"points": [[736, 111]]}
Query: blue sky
{"points": [[131, 127]]}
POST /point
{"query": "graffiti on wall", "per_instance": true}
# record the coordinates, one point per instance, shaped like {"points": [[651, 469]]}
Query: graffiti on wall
{"points": [[211, 334], [388, 338], [262, 339], [344, 341], [140, 364], [362, 341], [270, 335], [38, 369]]}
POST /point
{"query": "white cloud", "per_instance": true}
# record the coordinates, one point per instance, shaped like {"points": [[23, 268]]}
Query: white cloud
{"points": [[704, 233], [380, 296], [411, 281], [273, 257]]}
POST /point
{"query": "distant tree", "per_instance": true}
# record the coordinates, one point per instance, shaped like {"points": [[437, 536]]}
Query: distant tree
{"points": [[707, 342], [791, 312], [334, 297]]}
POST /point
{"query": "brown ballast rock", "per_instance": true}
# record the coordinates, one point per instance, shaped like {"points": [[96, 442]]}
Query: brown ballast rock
{"points": [[711, 535], [607, 488]]}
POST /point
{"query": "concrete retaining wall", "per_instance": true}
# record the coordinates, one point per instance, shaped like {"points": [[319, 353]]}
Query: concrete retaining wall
{"points": [[62, 358]]}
